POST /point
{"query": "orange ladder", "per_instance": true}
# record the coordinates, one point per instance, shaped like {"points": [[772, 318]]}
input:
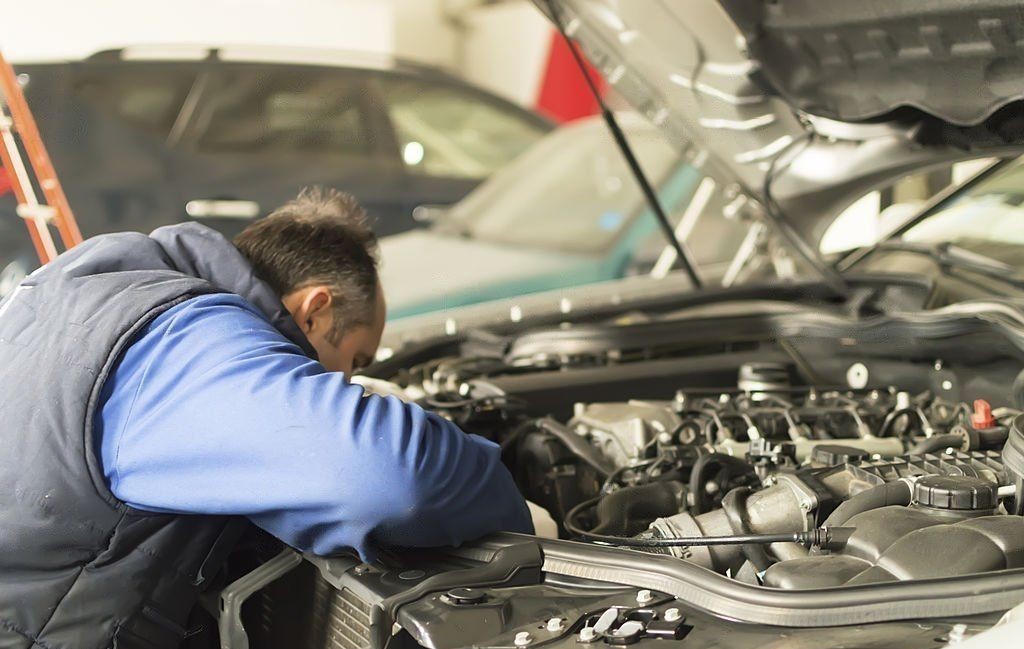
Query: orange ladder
{"points": [[18, 127]]}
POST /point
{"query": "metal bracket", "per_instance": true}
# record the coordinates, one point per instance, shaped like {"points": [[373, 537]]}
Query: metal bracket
{"points": [[229, 616]]}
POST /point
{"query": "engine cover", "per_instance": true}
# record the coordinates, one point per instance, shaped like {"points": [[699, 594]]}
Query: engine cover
{"points": [[899, 543]]}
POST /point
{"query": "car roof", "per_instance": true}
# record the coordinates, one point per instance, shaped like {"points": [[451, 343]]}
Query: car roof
{"points": [[244, 53]]}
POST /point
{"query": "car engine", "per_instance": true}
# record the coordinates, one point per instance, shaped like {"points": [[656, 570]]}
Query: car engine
{"points": [[871, 484], [792, 468]]}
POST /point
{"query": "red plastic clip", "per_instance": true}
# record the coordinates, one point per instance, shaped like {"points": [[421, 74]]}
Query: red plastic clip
{"points": [[982, 417]]}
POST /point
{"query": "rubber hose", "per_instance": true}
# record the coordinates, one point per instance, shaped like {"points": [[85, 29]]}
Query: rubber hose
{"points": [[890, 493], [711, 462], [937, 443], [734, 505], [578, 445], [630, 510], [993, 438]]}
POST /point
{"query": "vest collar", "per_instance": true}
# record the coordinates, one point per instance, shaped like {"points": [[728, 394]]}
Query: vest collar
{"points": [[202, 252]]}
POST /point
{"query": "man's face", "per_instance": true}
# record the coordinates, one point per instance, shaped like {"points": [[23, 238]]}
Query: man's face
{"points": [[355, 348]]}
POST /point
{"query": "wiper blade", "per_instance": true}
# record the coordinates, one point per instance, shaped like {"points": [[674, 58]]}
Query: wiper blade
{"points": [[682, 253], [948, 255]]}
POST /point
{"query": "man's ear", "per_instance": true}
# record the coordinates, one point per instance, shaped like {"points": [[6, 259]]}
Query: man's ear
{"points": [[310, 308]]}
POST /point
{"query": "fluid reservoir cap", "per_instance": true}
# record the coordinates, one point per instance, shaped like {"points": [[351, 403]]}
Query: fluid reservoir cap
{"points": [[833, 454], [959, 493]]}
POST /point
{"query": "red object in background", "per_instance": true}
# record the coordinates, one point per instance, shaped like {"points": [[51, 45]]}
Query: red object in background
{"points": [[5, 182], [982, 417], [564, 94]]}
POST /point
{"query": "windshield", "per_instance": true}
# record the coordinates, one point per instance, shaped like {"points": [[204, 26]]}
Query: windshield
{"points": [[572, 192], [986, 218]]}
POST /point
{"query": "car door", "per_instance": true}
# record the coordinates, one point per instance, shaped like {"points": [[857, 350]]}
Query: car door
{"points": [[261, 132], [451, 136]]}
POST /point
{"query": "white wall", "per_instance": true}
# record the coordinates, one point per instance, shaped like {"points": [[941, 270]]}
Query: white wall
{"points": [[75, 28], [425, 33], [506, 49], [502, 47]]}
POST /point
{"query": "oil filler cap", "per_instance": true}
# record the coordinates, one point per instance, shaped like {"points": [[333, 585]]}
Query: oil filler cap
{"points": [[957, 493]]}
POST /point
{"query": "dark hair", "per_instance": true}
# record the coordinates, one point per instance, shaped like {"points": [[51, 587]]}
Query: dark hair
{"points": [[321, 237]]}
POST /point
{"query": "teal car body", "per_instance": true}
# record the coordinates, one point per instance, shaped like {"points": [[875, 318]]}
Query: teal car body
{"points": [[454, 263]]}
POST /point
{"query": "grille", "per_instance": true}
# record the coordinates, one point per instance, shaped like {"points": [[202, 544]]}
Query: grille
{"points": [[302, 611], [347, 618]]}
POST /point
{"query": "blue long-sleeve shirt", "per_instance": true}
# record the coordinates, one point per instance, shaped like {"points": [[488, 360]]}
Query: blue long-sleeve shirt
{"points": [[212, 411]]}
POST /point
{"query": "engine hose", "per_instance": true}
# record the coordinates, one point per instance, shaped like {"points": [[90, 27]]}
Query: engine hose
{"points": [[890, 493], [734, 505], [890, 420], [823, 538], [814, 538], [513, 438], [704, 464], [993, 438], [578, 445], [937, 443]]}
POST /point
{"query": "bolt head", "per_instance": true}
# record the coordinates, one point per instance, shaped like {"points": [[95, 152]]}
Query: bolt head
{"points": [[587, 634], [523, 638], [644, 596], [672, 615], [555, 624]]}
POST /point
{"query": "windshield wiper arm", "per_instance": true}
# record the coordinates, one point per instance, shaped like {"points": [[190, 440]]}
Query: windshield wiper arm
{"points": [[948, 255], [682, 253]]}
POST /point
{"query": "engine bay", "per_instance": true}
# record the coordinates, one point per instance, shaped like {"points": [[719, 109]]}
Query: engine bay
{"points": [[807, 471], [733, 477]]}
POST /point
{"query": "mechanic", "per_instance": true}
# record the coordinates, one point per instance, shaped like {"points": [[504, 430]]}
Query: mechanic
{"points": [[160, 389]]}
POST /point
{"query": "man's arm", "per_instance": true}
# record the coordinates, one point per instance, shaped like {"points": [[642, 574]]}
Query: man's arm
{"points": [[212, 411]]}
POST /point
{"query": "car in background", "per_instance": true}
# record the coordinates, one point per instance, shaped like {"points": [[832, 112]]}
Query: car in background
{"points": [[147, 136], [565, 213]]}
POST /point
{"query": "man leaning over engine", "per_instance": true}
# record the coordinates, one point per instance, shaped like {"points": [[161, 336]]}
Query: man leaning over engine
{"points": [[158, 389]]}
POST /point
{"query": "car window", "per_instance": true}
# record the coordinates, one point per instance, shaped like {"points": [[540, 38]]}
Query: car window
{"points": [[573, 192], [145, 96], [877, 213], [286, 109], [986, 218], [444, 130]]}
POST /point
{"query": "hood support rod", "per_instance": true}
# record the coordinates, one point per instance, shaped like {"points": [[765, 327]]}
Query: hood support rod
{"points": [[682, 253], [775, 217]]}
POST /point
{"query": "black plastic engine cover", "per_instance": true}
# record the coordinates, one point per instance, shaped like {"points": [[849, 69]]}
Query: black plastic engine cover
{"points": [[899, 543]]}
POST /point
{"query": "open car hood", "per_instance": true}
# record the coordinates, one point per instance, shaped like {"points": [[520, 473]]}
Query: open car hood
{"points": [[822, 100]]}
